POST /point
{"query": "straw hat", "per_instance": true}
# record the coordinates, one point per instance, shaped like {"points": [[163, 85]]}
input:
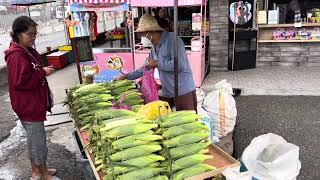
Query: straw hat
{"points": [[148, 23]]}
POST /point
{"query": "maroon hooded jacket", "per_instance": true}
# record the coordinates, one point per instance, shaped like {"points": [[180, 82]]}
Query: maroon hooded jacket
{"points": [[28, 87]]}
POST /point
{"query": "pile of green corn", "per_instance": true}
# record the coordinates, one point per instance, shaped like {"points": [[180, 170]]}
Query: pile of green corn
{"points": [[126, 94], [185, 144], [129, 146], [86, 100], [126, 147]]}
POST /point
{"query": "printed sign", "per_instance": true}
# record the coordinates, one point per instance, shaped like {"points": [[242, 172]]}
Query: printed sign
{"points": [[196, 21], [82, 48], [241, 13], [107, 66]]}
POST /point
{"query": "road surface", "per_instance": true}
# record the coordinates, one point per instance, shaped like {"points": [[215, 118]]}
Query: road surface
{"points": [[295, 118]]}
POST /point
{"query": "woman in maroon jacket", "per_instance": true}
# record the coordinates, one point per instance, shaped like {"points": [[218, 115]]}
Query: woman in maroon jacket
{"points": [[29, 92]]}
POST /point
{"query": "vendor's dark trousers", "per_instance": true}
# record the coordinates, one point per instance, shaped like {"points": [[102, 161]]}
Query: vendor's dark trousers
{"points": [[184, 102]]}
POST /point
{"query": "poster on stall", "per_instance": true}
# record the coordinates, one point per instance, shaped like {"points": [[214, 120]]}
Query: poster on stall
{"points": [[196, 21], [241, 13], [107, 66]]}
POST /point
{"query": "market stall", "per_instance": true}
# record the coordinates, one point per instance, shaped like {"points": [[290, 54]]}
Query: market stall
{"points": [[192, 28], [289, 32], [147, 141], [112, 52]]}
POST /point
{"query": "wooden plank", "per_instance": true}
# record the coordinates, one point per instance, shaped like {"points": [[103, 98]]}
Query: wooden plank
{"points": [[221, 160], [263, 26], [96, 174], [288, 41]]}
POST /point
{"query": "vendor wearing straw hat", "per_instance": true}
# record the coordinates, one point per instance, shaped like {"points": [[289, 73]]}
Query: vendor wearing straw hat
{"points": [[161, 57]]}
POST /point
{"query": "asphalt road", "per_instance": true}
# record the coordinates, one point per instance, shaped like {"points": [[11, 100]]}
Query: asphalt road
{"points": [[295, 118], [16, 165]]}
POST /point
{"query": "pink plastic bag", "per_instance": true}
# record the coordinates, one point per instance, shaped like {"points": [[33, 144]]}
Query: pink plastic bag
{"points": [[149, 86]]}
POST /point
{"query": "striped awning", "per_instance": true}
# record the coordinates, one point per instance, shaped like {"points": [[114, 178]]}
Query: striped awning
{"points": [[29, 2], [98, 1]]}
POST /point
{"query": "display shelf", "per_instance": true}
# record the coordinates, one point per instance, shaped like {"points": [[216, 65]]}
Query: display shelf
{"points": [[288, 41], [264, 26]]}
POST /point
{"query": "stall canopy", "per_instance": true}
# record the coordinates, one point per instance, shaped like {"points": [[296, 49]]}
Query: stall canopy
{"points": [[97, 1], [29, 2], [165, 3], [99, 5]]}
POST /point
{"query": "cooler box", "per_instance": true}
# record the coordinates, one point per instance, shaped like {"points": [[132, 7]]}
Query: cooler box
{"points": [[58, 59]]}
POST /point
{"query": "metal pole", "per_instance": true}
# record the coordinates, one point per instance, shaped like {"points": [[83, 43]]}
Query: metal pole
{"points": [[126, 29], [175, 52], [28, 8], [104, 22], [29, 11]]}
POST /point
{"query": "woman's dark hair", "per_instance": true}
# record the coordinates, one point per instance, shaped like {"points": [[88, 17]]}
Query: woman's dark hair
{"points": [[21, 25]]}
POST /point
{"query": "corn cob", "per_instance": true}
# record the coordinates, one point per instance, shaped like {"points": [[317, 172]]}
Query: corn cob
{"points": [[159, 178], [122, 83], [88, 89], [91, 113], [88, 96], [122, 169], [109, 114], [135, 140], [141, 174], [87, 119], [98, 168], [129, 95], [129, 130], [98, 162], [134, 102], [144, 161], [85, 127], [185, 139], [91, 107], [192, 171], [183, 129], [178, 114], [187, 150], [98, 98], [123, 89], [120, 122], [189, 161], [134, 152], [176, 121], [136, 108]]}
